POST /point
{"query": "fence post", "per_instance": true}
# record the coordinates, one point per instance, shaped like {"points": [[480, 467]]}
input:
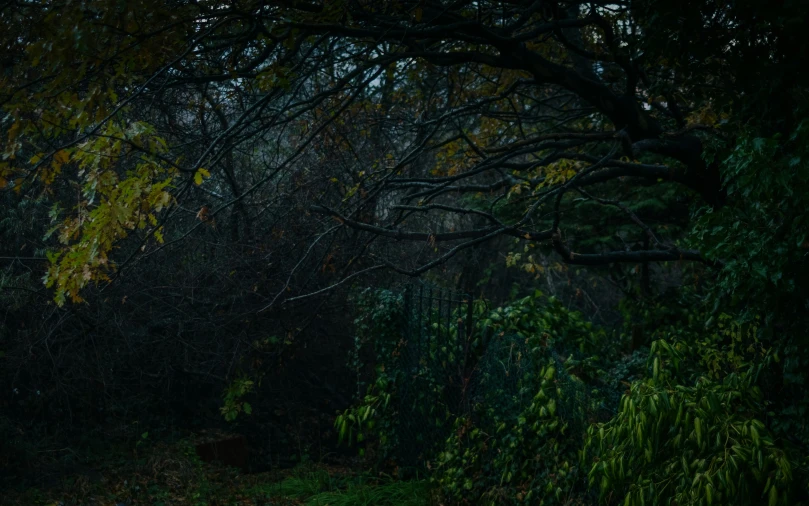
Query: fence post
{"points": [[407, 314], [418, 322], [469, 317], [436, 306]]}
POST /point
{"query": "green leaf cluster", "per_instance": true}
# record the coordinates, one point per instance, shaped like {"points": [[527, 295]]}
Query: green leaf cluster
{"points": [[233, 403], [674, 441]]}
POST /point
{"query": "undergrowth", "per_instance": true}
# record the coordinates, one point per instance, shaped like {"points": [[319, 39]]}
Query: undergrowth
{"points": [[161, 474], [317, 486]]}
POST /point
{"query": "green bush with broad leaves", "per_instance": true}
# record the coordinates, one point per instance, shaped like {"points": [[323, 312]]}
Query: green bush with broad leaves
{"points": [[761, 236], [233, 402], [532, 401], [546, 317], [355, 422]]}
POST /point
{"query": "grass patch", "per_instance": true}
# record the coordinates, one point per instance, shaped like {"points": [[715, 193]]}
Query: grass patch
{"points": [[314, 486], [301, 484], [392, 493], [317, 487]]}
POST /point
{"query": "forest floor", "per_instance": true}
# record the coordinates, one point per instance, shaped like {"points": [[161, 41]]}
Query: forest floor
{"points": [[172, 474]]}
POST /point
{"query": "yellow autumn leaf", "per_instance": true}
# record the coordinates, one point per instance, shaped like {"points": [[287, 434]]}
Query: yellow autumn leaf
{"points": [[200, 174], [61, 157], [14, 130]]}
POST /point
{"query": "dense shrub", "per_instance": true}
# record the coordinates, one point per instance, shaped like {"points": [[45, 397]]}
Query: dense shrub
{"points": [[679, 442], [562, 412]]}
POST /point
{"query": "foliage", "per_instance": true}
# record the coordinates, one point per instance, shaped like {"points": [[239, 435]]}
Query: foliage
{"points": [[387, 493], [490, 453], [195, 171], [762, 239], [414, 354], [758, 80], [536, 315], [503, 455], [162, 473], [521, 440], [690, 428], [683, 442], [320, 486], [166, 107], [233, 403], [378, 324], [112, 206]]}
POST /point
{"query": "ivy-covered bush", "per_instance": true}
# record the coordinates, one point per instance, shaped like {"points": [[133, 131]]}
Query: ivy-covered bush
{"points": [[522, 400], [516, 445], [521, 441]]}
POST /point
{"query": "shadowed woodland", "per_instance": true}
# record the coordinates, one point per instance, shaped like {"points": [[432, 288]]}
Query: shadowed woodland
{"points": [[404, 252]]}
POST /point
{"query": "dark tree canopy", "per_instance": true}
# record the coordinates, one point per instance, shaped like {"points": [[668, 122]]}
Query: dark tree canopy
{"points": [[579, 126]]}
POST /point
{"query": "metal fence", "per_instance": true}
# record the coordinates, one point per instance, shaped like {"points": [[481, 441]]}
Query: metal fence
{"points": [[438, 328], [451, 368]]}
